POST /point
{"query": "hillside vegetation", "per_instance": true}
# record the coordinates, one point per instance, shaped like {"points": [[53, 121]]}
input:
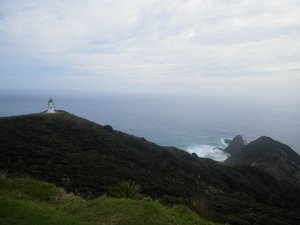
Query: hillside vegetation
{"points": [[272, 156], [29, 202], [88, 159]]}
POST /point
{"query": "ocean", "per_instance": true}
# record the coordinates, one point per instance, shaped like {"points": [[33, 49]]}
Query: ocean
{"points": [[193, 123]]}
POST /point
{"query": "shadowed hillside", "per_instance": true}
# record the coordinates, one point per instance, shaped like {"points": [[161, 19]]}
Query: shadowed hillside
{"points": [[87, 158], [272, 156]]}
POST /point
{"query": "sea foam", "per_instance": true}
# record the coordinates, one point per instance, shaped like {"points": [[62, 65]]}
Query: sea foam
{"points": [[211, 151]]}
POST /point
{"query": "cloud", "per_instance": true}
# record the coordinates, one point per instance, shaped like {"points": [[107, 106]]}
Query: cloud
{"points": [[150, 43]]}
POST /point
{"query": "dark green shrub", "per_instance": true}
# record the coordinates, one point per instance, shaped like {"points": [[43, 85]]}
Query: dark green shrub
{"points": [[126, 189]]}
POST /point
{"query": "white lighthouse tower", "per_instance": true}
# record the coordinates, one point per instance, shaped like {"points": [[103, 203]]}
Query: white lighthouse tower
{"points": [[51, 107]]}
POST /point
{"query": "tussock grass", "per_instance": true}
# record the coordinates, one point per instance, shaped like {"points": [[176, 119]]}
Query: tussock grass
{"points": [[126, 189]]}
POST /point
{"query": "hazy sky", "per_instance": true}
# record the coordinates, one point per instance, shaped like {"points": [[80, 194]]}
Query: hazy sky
{"points": [[150, 45]]}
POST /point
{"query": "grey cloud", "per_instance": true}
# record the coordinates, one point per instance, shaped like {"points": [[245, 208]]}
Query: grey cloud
{"points": [[153, 42]]}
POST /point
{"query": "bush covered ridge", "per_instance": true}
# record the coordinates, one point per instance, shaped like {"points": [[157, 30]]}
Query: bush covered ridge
{"points": [[272, 156], [30, 202], [88, 159]]}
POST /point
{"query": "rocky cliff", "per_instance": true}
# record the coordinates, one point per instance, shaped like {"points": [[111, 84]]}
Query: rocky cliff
{"points": [[235, 145]]}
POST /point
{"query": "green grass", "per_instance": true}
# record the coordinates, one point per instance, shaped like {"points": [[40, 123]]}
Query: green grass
{"points": [[29, 202]]}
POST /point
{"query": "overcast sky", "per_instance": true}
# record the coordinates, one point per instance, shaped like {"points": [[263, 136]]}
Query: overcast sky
{"points": [[150, 45]]}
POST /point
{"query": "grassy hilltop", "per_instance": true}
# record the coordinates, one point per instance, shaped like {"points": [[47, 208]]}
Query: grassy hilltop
{"points": [[87, 159], [29, 202]]}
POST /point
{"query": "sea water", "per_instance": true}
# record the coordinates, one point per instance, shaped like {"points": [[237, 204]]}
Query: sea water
{"points": [[193, 123]]}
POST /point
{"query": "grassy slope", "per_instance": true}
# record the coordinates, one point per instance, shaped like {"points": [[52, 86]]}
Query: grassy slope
{"points": [[28, 202], [87, 158]]}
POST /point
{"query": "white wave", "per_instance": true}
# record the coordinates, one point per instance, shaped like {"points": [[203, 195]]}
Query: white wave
{"points": [[224, 144], [209, 151]]}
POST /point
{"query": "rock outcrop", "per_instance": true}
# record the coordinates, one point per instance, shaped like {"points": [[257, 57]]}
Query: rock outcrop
{"points": [[272, 156], [235, 145]]}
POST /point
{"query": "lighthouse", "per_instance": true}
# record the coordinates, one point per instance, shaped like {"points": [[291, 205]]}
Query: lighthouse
{"points": [[51, 107]]}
